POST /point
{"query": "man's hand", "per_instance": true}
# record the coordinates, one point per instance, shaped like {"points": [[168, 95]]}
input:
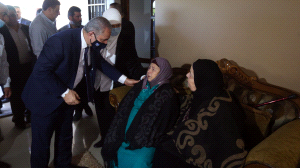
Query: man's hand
{"points": [[72, 98], [130, 82], [7, 92]]}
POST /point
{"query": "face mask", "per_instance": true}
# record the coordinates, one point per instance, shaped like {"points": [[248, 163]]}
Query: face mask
{"points": [[1, 23], [115, 31], [97, 45]]}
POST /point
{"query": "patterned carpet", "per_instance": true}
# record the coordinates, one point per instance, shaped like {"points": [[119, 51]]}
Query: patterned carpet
{"points": [[84, 160]]}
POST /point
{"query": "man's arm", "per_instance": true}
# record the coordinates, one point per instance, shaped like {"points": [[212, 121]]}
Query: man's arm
{"points": [[38, 38], [112, 72], [50, 58], [4, 71]]}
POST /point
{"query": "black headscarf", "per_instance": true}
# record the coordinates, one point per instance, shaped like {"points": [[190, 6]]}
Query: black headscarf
{"points": [[208, 81], [210, 135]]}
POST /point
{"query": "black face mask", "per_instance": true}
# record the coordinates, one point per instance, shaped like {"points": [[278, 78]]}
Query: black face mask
{"points": [[97, 45]]}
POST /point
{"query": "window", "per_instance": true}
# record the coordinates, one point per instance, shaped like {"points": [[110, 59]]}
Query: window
{"points": [[152, 47], [96, 8]]}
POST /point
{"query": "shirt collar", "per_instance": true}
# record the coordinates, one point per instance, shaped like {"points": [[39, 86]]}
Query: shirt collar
{"points": [[47, 19]]}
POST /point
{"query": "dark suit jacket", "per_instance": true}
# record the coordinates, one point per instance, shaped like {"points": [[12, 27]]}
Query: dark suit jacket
{"points": [[66, 27], [55, 71], [127, 60], [25, 22], [12, 51]]}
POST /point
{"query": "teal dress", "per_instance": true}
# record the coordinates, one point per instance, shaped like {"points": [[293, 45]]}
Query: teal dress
{"points": [[137, 158]]}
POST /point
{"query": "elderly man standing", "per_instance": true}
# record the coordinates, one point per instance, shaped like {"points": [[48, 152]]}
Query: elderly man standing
{"points": [[44, 25], [21, 60], [69, 59]]}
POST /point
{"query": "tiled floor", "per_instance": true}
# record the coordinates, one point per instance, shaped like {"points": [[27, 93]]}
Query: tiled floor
{"points": [[15, 148]]}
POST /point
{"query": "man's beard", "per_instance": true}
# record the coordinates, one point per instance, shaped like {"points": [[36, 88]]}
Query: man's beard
{"points": [[77, 24]]}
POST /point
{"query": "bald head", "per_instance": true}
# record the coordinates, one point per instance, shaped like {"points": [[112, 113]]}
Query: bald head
{"points": [[3, 12]]}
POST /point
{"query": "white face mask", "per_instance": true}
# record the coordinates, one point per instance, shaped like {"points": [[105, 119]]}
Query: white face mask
{"points": [[1, 23], [115, 31]]}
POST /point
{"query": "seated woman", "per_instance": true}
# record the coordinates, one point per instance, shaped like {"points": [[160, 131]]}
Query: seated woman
{"points": [[148, 111], [209, 132]]}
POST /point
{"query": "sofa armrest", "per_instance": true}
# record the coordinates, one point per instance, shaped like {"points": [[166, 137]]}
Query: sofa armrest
{"points": [[116, 95], [280, 149]]}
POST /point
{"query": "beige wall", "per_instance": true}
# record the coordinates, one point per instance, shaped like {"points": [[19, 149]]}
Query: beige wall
{"points": [[262, 36]]}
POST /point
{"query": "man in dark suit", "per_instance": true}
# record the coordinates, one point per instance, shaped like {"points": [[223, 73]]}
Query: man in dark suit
{"points": [[21, 60], [121, 52], [49, 93], [74, 15], [20, 19]]}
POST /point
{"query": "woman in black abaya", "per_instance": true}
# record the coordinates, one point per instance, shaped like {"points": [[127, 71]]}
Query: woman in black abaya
{"points": [[209, 132]]}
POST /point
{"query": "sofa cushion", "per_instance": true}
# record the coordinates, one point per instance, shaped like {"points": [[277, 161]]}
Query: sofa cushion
{"points": [[280, 149]]}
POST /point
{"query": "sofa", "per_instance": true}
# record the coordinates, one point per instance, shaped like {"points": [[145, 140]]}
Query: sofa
{"points": [[272, 130]]}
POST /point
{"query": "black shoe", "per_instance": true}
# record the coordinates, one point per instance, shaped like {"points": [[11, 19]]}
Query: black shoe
{"points": [[88, 111], [4, 165], [5, 100], [99, 144], [21, 125], [77, 116]]}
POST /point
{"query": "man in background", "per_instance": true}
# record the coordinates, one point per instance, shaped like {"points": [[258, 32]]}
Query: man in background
{"points": [[4, 66], [21, 60], [4, 79], [74, 15], [20, 19], [44, 25], [38, 11]]}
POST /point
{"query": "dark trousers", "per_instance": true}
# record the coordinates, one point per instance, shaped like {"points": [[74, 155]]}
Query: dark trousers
{"points": [[60, 122], [17, 85], [105, 112], [81, 90]]}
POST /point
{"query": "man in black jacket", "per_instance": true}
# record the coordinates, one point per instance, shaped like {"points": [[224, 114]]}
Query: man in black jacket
{"points": [[21, 60]]}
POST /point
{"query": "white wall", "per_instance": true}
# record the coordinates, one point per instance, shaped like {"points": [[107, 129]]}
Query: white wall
{"points": [[262, 36], [139, 11], [62, 19], [29, 9]]}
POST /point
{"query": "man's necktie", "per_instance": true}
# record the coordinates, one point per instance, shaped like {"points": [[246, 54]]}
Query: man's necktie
{"points": [[88, 71]]}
